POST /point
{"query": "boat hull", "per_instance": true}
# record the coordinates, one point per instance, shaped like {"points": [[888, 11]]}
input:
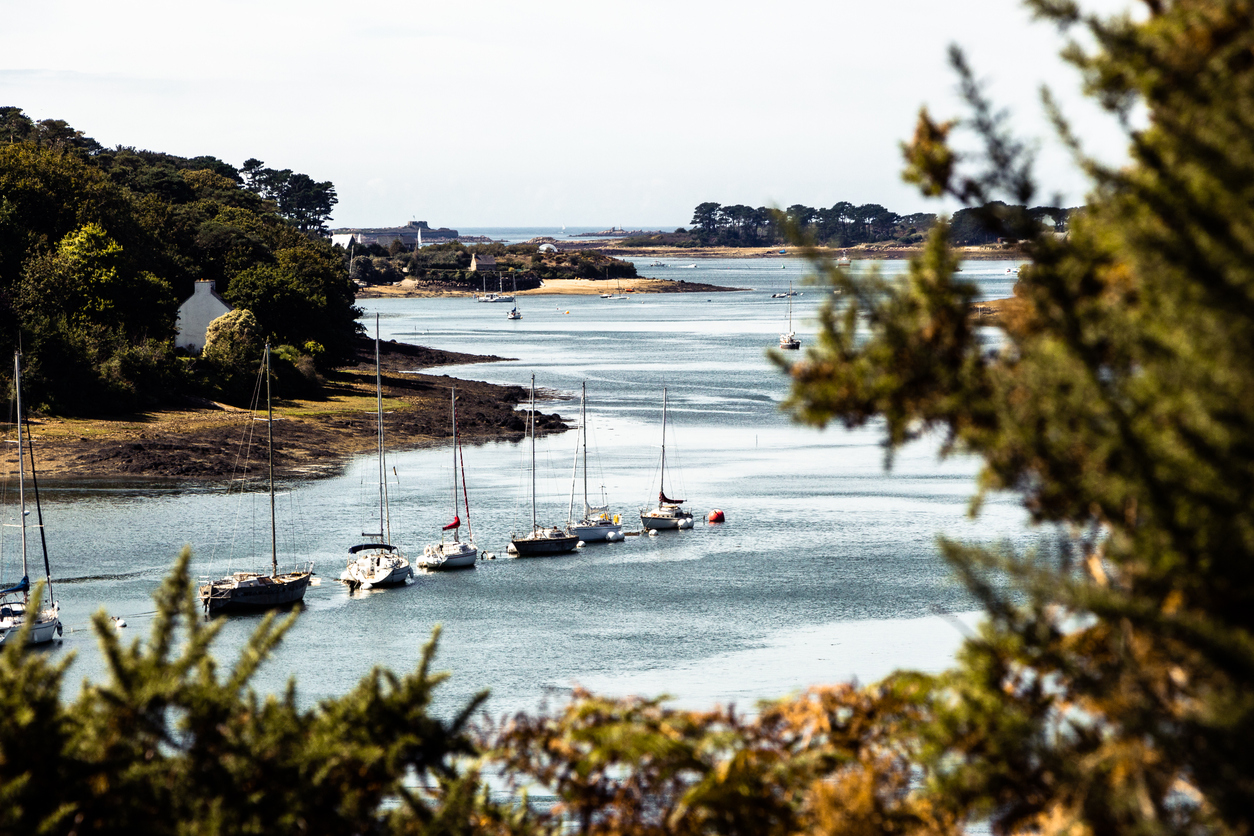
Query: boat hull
{"points": [[47, 627], [254, 593], [544, 543], [439, 559], [377, 571], [597, 532], [665, 519]]}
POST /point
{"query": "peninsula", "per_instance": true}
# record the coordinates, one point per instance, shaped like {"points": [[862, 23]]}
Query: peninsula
{"points": [[314, 437]]}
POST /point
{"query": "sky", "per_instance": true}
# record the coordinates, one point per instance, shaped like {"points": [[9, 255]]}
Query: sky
{"points": [[486, 113]]}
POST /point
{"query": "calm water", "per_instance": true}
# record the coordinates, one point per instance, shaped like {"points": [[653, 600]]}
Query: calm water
{"points": [[825, 559]]}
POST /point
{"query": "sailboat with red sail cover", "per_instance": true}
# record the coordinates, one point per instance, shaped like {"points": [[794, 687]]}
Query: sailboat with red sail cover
{"points": [[453, 553], [669, 513]]}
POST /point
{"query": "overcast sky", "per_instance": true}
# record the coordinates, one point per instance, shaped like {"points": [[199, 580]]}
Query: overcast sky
{"points": [[486, 113]]}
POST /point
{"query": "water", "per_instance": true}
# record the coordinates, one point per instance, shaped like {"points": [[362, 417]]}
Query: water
{"points": [[826, 568]]}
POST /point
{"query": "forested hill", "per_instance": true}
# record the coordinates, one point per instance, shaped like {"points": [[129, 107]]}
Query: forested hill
{"points": [[98, 247], [843, 224]]}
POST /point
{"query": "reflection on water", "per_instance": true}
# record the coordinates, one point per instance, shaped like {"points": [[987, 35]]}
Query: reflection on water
{"points": [[818, 534]]}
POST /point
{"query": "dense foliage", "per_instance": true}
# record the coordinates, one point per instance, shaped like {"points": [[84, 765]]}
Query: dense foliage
{"points": [[99, 246], [842, 225], [1110, 689], [522, 266]]}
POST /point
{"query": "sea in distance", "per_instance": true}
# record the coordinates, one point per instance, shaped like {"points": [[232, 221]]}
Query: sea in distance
{"points": [[827, 567]]}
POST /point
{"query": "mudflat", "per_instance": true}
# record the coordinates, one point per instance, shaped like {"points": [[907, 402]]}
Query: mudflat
{"points": [[312, 437]]}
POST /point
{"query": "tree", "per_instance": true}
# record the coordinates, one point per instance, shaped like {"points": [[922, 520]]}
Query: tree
{"points": [[800, 216], [308, 204], [300, 199], [705, 219], [1110, 689]]}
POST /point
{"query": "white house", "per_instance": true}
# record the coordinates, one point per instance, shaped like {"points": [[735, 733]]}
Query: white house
{"points": [[195, 314], [482, 264]]}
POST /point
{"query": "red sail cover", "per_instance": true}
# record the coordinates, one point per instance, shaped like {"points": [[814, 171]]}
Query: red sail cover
{"points": [[662, 498], [457, 521]]}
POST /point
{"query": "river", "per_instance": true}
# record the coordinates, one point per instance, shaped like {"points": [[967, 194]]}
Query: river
{"points": [[826, 568]]}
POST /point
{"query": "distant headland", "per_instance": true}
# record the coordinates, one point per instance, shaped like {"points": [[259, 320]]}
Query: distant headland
{"points": [[409, 235]]}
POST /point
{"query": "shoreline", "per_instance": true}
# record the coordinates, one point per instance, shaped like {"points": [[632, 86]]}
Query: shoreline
{"points": [[865, 252], [409, 289], [314, 438]]}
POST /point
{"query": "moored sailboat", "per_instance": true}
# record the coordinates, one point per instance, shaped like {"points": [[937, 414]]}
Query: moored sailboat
{"points": [[251, 591], [598, 523], [669, 513], [453, 554], [378, 563], [540, 541], [788, 341], [15, 603]]}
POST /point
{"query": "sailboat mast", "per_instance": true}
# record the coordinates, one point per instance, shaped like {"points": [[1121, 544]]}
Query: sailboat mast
{"points": [[21, 459], [385, 522], [533, 453], [453, 398], [662, 481], [274, 537], [583, 423]]}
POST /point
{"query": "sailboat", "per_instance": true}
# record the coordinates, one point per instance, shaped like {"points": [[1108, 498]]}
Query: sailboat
{"points": [[669, 512], [540, 541], [251, 591], [501, 295], [15, 605], [618, 291], [453, 554], [789, 341], [514, 313], [597, 523], [378, 563]]}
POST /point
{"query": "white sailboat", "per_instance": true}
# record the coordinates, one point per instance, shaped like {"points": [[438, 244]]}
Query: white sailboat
{"points": [[788, 341], [598, 523], [251, 591], [540, 541], [378, 563], [669, 513], [618, 291], [514, 313], [15, 603], [453, 554]]}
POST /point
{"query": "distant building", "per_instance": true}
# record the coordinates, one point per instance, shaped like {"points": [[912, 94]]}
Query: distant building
{"points": [[409, 235], [548, 248], [482, 264], [195, 314]]}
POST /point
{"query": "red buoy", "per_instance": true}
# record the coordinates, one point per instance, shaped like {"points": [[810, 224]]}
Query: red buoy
{"points": [[716, 516]]}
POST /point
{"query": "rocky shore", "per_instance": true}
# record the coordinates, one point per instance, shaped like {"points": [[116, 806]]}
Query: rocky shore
{"points": [[316, 437]]}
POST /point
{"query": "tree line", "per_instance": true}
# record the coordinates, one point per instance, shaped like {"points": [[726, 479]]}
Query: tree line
{"points": [[843, 224], [98, 246], [448, 264]]}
